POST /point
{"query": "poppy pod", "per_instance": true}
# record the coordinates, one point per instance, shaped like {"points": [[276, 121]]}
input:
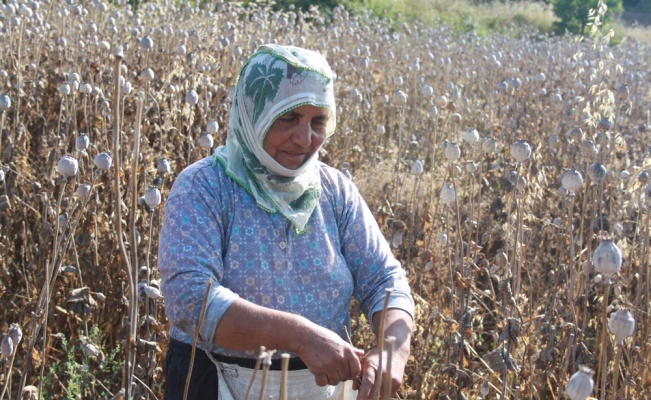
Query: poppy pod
{"points": [[448, 194], [520, 150], [607, 258], [103, 161], [471, 136], [153, 197], [580, 385], [571, 180], [67, 166], [5, 102], [621, 324], [452, 151]]}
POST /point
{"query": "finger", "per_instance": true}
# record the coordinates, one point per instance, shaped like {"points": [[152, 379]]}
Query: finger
{"points": [[366, 387], [321, 379], [354, 368]]}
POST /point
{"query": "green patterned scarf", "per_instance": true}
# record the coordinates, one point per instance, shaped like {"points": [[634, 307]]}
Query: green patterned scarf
{"points": [[274, 81]]}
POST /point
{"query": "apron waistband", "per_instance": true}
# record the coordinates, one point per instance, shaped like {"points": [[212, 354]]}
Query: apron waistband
{"points": [[295, 363]]}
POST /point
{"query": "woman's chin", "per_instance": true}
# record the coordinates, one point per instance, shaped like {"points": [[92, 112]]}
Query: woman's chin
{"points": [[290, 161]]}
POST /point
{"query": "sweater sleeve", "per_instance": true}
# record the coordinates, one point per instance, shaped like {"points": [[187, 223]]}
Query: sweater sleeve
{"points": [[190, 253], [367, 252]]}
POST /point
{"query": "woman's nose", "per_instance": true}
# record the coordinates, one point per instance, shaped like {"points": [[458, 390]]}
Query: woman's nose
{"points": [[303, 135]]}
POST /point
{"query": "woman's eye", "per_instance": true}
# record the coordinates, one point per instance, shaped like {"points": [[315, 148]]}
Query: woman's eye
{"points": [[319, 123]]}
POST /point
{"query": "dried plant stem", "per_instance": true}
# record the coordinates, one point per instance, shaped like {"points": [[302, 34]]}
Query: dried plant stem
{"points": [[380, 343], [515, 260], [283, 376], [618, 356], [258, 362], [8, 374], [129, 364], [453, 296], [647, 272], [389, 343], [204, 307], [3, 116], [266, 363], [603, 354], [50, 267], [397, 183], [60, 247]]}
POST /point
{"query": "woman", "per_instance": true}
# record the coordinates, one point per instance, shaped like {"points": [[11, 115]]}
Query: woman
{"points": [[288, 242]]}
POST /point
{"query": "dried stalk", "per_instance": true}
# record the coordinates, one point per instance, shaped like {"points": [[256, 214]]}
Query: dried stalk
{"points": [[390, 342], [266, 364], [380, 343], [283, 376], [204, 307], [258, 362]]}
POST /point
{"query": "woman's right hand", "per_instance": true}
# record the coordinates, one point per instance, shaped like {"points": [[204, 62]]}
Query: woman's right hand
{"points": [[328, 356]]}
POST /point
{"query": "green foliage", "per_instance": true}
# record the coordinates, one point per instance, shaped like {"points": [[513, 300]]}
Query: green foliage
{"points": [[637, 5], [324, 5], [573, 14], [81, 375]]}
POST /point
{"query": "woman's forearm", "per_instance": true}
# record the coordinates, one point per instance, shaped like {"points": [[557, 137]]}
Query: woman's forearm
{"points": [[247, 326]]}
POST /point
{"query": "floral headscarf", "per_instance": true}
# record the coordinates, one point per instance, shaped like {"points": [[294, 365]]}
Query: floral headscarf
{"points": [[274, 81]]}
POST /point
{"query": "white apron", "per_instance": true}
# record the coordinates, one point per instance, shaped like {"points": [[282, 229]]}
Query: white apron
{"points": [[234, 381]]}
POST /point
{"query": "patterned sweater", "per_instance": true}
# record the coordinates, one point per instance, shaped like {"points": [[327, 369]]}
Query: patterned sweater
{"points": [[213, 228]]}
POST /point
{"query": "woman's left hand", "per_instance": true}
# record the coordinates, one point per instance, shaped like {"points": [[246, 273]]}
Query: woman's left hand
{"points": [[398, 324]]}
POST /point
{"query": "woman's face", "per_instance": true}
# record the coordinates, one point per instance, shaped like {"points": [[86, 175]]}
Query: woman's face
{"points": [[296, 135]]}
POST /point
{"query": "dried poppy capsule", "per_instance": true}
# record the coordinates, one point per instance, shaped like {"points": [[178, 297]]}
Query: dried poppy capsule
{"points": [[163, 166], [452, 151], [5, 102], [67, 166], [147, 75], [82, 142], [191, 97], [520, 150], [588, 148], [15, 333], [64, 89], [489, 146], [580, 384], [471, 167], [621, 324], [152, 197], [417, 167], [597, 172], [399, 98], [7, 347], [146, 43], [571, 180], [607, 258], [441, 101], [83, 190], [206, 141], [103, 161], [522, 183], [471, 136], [212, 127], [86, 88], [448, 194]]}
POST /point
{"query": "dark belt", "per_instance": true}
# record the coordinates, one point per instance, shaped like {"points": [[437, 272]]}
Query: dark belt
{"points": [[295, 363]]}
